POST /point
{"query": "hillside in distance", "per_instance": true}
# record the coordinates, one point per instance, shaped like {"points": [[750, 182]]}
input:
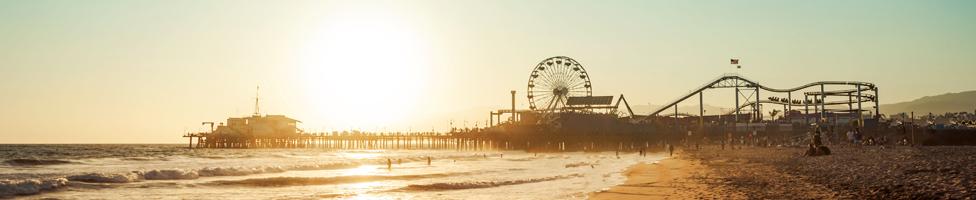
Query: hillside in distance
{"points": [[938, 104]]}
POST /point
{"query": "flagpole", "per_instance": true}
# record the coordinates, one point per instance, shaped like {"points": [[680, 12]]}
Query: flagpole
{"points": [[735, 61]]}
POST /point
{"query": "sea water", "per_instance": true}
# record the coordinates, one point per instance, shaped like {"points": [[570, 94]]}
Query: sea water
{"points": [[175, 172]]}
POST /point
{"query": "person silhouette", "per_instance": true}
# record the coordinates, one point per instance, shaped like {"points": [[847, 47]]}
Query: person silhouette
{"points": [[670, 150]]}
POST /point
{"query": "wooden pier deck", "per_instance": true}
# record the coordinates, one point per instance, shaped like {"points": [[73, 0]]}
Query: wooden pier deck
{"points": [[463, 141]]}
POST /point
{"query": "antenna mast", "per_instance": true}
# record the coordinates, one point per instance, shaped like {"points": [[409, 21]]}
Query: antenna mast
{"points": [[257, 108]]}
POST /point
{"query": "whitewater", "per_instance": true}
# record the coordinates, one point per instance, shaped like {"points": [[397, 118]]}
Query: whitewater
{"points": [[175, 172]]}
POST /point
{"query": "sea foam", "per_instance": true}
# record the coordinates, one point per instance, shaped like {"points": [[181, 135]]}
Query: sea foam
{"points": [[169, 174], [106, 177], [29, 186]]}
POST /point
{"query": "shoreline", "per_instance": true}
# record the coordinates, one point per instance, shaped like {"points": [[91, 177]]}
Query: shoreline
{"points": [[677, 177]]}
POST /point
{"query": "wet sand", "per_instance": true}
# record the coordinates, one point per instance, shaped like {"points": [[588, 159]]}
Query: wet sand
{"points": [[852, 172], [671, 178]]}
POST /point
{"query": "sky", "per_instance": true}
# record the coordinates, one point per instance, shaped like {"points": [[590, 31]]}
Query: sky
{"points": [[135, 71]]}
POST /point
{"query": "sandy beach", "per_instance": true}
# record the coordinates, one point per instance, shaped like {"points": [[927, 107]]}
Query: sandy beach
{"points": [[677, 177], [852, 172]]}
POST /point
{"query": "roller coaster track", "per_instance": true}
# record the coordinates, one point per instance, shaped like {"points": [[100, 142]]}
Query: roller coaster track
{"points": [[738, 81], [751, 103], [679, 114]]}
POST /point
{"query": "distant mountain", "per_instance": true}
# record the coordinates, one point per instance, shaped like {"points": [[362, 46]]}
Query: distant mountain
{"points": [[951, 102]]}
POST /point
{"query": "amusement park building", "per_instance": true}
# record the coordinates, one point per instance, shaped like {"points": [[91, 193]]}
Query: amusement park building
{"points": [[258, 126]]}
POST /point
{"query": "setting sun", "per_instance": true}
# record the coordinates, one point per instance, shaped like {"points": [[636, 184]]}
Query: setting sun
{"points": [[365, 69]]}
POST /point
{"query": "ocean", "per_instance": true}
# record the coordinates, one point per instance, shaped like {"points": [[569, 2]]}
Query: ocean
{"points": [[165, 171]]}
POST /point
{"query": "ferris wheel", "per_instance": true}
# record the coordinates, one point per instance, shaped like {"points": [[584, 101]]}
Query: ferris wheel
{"points": [[554, 80]]}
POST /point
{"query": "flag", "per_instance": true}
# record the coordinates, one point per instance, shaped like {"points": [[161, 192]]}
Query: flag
{"points": [[735, 61]]}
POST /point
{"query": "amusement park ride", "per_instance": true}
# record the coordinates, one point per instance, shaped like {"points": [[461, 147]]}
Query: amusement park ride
{"points": [[746, 90], [560, 86]]}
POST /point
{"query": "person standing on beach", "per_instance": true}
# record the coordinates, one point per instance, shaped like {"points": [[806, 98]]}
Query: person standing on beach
{"points": [[704, 140], [816, 138], [670, 150], [850, 137]]}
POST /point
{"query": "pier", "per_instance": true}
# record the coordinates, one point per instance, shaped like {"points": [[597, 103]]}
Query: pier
{"points": [[468, 140], [564, 115], [345, 141]]}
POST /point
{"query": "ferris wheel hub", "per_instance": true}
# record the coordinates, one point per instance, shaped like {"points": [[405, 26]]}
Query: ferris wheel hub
{"points": [[561, 91]]}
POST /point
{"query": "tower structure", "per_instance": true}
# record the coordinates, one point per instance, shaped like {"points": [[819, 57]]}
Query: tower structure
{"points": [[257, 99]]}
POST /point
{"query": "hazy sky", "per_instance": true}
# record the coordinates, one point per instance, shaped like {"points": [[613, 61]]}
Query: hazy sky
{"points": [[146, 71]]}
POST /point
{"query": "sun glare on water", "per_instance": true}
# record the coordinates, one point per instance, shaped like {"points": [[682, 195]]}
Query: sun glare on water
{"points": [[361, 155], [362, 170], [365, 69]]}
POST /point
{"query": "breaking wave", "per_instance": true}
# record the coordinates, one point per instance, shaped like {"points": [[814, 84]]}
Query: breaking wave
{"points": [[482, 184], [169, 174], [34, 186], [106, 178], [521, 159], [29, 186], [33, 162], [145, 158], [181, 174], [578, 164]]}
